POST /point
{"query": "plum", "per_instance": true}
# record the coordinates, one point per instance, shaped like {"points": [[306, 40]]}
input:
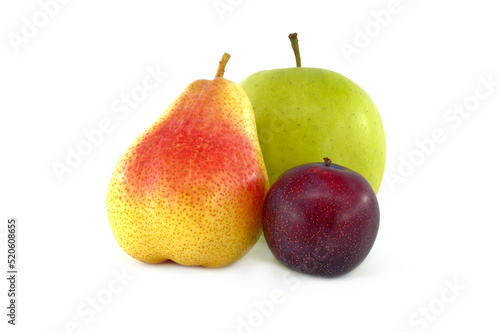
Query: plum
{"points": [[321, 219]]}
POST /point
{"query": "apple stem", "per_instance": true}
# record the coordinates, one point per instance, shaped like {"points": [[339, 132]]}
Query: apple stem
{"points": [[328, 161], [222, 65], [295, 47]]}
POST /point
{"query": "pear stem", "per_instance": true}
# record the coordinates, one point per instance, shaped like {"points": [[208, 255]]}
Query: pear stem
{"points": [[222, 65], [328, 161], [295, 47]]}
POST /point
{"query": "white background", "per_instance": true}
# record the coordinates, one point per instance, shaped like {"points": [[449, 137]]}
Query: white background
{"points": [[439, 220]]}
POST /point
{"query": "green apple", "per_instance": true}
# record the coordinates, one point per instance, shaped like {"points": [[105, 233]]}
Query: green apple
{"points": [[304, 114]]}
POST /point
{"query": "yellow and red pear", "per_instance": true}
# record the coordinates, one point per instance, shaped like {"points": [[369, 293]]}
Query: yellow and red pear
{"points": [[191, 187]]}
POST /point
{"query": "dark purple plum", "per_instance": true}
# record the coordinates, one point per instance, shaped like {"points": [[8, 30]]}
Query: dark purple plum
{"points": [[321, 219]]}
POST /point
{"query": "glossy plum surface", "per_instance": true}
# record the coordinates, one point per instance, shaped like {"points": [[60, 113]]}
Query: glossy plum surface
{"points": [[321, 220]]}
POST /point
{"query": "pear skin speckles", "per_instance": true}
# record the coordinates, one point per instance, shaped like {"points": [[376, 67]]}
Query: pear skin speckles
{"points": [[191, 187]]}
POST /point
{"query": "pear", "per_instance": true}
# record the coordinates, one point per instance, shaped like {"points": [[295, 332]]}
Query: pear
{"points": [[304, 114], [191, 187]]}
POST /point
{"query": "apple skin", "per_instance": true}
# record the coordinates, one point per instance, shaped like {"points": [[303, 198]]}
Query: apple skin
{"points": [[321, 220], [303, 113]]}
